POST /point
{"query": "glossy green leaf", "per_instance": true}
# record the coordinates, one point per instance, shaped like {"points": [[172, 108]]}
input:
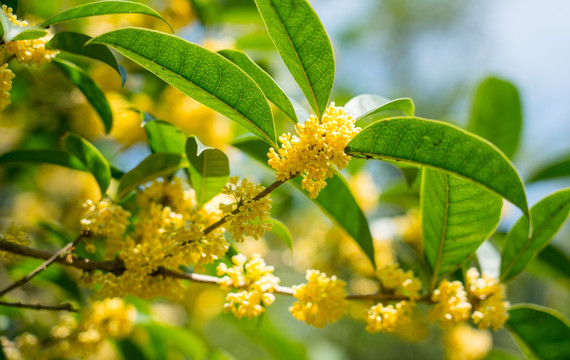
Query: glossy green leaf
{"points": [[542, 332], [203, 75], [304, 46], [497, 115], [30, 34], [209, 169], [497, 354], [155, 165], [163, 137], [269, 87], [74, 43], [90, 89], [366, 108], [90, 157], [552, 264], [363, 104], [457, 217], [102, 8], [54, 157], [557, 169], [548, 216], [441, 146], [336, 200], [281, 230]]}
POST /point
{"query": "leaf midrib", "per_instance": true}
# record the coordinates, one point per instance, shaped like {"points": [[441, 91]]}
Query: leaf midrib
{"points": [[282, 23], [443, 233], [198, 87]]}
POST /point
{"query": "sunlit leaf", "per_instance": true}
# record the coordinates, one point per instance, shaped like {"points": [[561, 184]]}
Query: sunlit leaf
{"points": [[557, 169], [75, 43], [166, 339], [363, 104], [271, 90], [199, 73], [457, 216], [209, 169], [366, 108], [441, 146], [90, 157], [541, 332], [102, 8], [163, 137], [548, 216], [304, 46], [155, 165], [497, 114], [90, 89], [336, 200], [31, 34]]}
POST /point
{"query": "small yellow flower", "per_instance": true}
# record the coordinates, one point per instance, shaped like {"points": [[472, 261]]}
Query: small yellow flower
{"points": [[401, 283], [256, 284], [318, 148], [105, 219], [452, 305], [490, 309], [387, 318], [6, 76], [322, 299], [253, 215], [14, 234]]}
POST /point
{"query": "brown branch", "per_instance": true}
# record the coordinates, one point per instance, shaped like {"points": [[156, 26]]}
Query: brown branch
{"points": [[45, 264], [76, 261], [62, 307]]}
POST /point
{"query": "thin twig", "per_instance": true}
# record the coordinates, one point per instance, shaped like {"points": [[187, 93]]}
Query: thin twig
{"points": [[257, 197], [62, 307], [44, 265]]}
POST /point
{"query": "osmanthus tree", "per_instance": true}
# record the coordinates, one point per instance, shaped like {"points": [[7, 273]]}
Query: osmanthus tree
{"points": [[175, 218]]}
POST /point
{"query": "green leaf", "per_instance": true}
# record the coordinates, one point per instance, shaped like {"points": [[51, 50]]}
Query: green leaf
{"points": [[552, 264], [91, 159], [209, 169], [441, 146], [497, 114], [271, 90], [366, 108], [75, 43], [129, 350], [163, 137], [336, 200], [542, 332], [557, 169], [304, 46], [54, 157], [457, 217], [31, 34], [548, 216], [281, 230], [155, 165], [102, 8], [203, 75], [90, 89]]}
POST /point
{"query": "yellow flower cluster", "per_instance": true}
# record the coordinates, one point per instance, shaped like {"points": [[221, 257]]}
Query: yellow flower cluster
{"points": [[31, 52], [399, 282], [387, 318], [105, 219], [452, 305], [255, 283], [253, 215], [318, 147], [462, 342], [14, 234], [167, 232], [103, 319], [322, 299], [25, 346], [6, 76], [490, 309]]}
